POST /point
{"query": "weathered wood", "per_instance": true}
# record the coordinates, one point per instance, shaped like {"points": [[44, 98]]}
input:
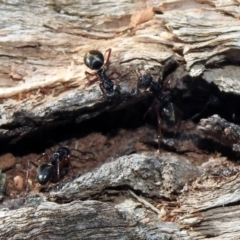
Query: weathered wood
{"points": [[42, 75], [211, 201], [210, 207], [159, 176], [43, 71], [217, 127], [208, 33], [125, 218], [86, 220]]}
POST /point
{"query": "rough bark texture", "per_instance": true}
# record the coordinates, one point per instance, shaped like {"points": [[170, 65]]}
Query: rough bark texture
{"points": [[147, 174], [87, 220], [35, 218], [43, 82]]}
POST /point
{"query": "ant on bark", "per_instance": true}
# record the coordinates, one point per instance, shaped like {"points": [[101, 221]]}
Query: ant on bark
{"points": [[94, 60], [162, 104], [56, 166]]}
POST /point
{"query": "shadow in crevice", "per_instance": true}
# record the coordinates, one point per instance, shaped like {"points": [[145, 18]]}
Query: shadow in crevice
{"points": [[190, 95]]}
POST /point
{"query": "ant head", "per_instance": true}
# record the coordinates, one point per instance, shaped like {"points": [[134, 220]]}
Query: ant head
{"points": [[94, 59], [64, 151], [60, 154], [145, 80]]}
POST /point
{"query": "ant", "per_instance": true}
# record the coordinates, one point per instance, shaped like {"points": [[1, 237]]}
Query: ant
{"points": [[56, 166], [94, 60], [162, 102]]}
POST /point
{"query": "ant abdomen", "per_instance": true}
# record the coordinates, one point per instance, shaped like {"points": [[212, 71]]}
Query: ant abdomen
{"points": [[45, 173], [94, 59]]}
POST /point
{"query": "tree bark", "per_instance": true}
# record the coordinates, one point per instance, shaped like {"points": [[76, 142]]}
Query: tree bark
{"points": [[43, 82]]}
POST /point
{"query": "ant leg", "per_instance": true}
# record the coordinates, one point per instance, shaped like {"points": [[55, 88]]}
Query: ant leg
{"points": [[34, 164], [27, 176], [166, 85], [119, 75], [150, 108], [43, 155], [102, 88], [82, 159], [46, 187], [89, 75], [212, 101], [68, 162], [176, 129], [200, 113], [159, 129], [106, 64], [83, 152]]}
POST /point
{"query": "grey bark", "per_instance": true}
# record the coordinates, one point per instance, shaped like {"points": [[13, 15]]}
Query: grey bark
{"points": [[36, 217]]}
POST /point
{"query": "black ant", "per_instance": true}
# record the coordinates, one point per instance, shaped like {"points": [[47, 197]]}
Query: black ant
{"points": [[56, 166], [94, 60], [162, 102]]}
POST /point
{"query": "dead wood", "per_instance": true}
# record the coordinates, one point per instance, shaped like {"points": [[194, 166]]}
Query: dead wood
{"points": [[147, 174], [212, 200], [217, 127], [143, 173], [43, 83], [86, 220]]}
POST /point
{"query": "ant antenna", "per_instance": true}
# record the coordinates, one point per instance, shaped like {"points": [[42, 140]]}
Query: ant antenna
{"points": [[83, 152], [27, 173]]}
